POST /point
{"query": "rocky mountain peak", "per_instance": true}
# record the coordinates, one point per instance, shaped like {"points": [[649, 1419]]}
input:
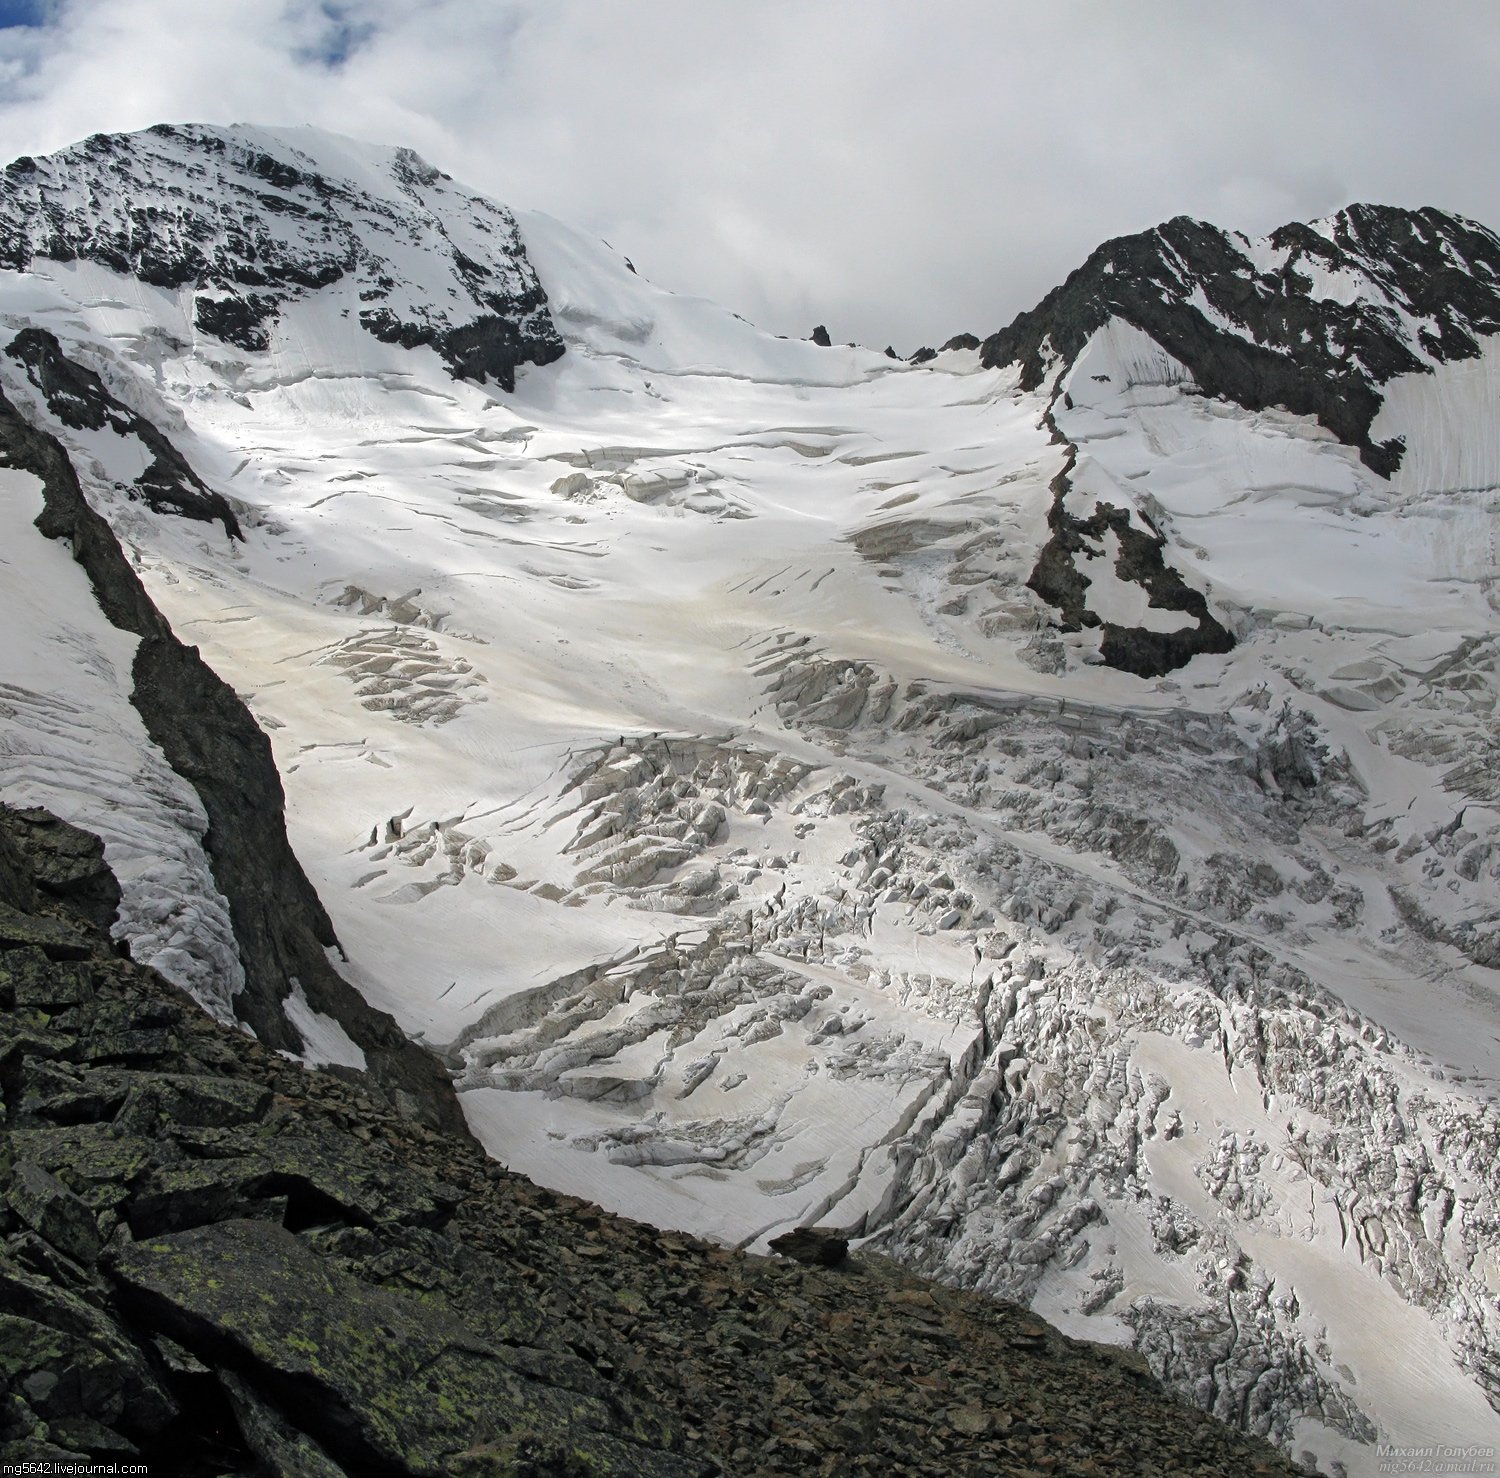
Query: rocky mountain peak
{"points": [[247, 221], [1315, 317]]}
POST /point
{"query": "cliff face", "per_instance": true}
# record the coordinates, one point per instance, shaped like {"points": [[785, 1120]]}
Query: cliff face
{"points": [[218, 1263]]}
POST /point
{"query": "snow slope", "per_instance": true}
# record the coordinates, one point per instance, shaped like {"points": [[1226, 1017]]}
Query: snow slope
{"points": [[681, 752]]}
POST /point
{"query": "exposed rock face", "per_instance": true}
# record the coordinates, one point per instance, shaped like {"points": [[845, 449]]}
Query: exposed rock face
{"points": [[210, 739], [244, 221], [65, 863], [215, 1262], [1316, 325], [1059, 582], [812, 1245]]}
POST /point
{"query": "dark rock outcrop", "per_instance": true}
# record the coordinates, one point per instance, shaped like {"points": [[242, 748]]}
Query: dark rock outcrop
{"points": [[1315, 320], [812, 1245], [959, 341], [1059, 581], [210, 738], [489, 347], [65, 863], [213, 1262], [241, 319], [1267, 335]]}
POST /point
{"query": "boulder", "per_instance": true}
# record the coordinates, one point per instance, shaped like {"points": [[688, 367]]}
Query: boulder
{"points": [[812, 1245]]}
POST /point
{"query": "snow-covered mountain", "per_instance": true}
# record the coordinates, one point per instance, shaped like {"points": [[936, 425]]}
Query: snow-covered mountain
{"points": [[1035, 808]]}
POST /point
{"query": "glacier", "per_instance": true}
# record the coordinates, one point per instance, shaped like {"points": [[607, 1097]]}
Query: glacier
{"points": [[687, 753]]}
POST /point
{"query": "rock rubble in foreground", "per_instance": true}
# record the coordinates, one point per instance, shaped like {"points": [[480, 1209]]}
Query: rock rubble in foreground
{"points": [[217, 1262]]}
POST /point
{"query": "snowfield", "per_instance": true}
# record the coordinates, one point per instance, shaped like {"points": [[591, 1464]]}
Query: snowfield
{"points": [[682, 756]]}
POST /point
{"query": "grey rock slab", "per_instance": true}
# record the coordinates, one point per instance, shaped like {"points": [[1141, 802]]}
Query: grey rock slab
{"points": [[382, 1382], [51, 1210], [29, 978], [285, 1451], [57, 940], [47, 1331]]}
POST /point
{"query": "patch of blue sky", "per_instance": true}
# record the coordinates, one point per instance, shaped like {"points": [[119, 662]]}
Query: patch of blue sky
{"points": [[23, 13], [341, 36]]}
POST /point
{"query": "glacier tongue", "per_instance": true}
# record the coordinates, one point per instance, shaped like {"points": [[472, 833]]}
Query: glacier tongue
{"points": [[681, 753]]}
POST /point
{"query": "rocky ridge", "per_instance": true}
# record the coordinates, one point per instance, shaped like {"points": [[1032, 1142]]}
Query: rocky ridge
{"points": [[217, 1262], [1314, 319]]}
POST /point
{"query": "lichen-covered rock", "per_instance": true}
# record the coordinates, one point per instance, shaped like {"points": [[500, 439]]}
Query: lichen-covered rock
{"points": [[392, 1382], [50, 1209], [273, 1439], [28, 977], [52, 937], [66, 1357]]}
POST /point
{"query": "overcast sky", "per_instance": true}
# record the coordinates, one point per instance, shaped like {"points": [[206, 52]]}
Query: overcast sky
{"points": [[899, 171]]}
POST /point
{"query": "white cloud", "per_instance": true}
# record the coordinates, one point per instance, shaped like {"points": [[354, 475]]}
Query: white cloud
{"points": [[899, 172]]}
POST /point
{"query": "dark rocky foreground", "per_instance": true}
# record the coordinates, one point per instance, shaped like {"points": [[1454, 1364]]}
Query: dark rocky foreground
{"points": [[223, 1264]]}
